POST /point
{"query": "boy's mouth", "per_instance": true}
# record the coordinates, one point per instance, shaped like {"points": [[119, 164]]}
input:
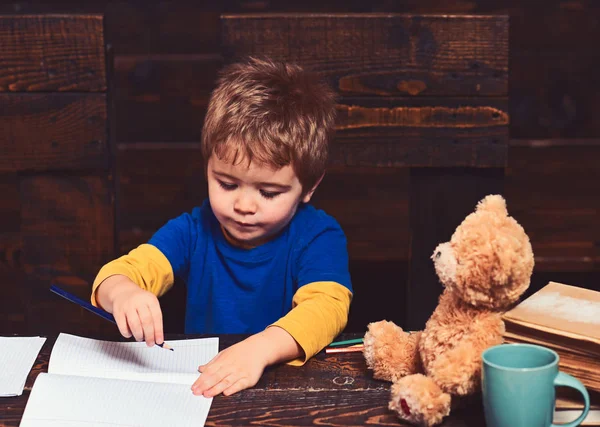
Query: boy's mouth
{"points": [[245, 225]]}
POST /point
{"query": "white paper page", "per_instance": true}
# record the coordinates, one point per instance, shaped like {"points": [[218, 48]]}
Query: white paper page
{"points": [[69, 401], [17, 356], [73, 355]]}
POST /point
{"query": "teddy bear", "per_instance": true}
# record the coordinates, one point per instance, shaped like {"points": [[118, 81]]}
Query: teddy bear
{"points": [[484, 269]]}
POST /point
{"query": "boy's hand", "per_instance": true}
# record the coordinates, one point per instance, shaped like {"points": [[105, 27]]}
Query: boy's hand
{"points": [[136, 311], [241, 365], [236, 368]]}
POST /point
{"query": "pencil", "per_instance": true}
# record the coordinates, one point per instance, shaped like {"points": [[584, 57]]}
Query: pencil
{"points": [[352, 349], [98, 311], [353, 341], [165, 346]]}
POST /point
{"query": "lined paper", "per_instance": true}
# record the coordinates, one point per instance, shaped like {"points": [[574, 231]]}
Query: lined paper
{"points": [[17, 356], [68, 401], [73, 355]]}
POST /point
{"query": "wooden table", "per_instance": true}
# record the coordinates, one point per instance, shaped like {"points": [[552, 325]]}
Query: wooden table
{"points": [[329, 390]]}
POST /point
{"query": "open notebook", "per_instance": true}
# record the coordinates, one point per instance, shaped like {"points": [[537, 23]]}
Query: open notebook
{"points": [[103, 383]]}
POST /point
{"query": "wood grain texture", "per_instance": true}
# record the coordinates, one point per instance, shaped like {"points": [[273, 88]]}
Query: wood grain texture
{"points": [[158, 182], [52, 53], [149, 76], [15, 296], [370, 206], [436, 116], [552, 76], [554, 94], [11, 249], [11, 244], [163, 97], [58, 205], [553, 85], [66, 225], [53, 131], [425, 132], [383, 55], [558, 206], [164, 27], [10, 208]]}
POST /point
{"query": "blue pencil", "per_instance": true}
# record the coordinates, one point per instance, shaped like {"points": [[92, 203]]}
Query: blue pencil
{"points": [[98, 311]]}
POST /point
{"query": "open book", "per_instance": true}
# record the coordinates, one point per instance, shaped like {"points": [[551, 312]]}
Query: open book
{"points": [[566, 319], [103, 383], [564, 314]]}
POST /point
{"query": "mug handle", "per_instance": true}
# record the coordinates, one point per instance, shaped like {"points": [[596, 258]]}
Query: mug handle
{"points": [[566, 380]]}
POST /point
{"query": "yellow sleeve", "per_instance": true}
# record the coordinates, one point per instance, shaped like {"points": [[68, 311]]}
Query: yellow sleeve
{"points": [[319, 313], [145, 265]]}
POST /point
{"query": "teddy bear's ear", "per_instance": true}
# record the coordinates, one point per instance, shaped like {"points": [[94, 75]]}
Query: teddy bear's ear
{"points": [[493, 203]]}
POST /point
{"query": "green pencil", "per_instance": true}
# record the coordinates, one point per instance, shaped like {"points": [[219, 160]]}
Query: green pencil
{"points": [[354, 341]]}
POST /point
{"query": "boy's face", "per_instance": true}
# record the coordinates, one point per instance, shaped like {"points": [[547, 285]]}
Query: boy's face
{"points": [[253, 202]]}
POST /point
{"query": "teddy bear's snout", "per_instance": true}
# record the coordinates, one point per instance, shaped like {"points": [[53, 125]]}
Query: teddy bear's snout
{"points": [[445, 263]]}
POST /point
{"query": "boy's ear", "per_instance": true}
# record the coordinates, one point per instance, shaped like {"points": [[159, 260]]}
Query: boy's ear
{"points": [[309, 194]]}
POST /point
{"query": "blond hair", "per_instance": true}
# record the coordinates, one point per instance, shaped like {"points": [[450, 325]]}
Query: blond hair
{"points": [[272, 113]]}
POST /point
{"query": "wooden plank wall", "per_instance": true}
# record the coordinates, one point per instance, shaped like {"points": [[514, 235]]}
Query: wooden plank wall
{"points": [[56, 215], [166, 58]]}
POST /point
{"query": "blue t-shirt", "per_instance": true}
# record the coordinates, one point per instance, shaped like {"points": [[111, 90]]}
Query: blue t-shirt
{"points": [[231, 290]]}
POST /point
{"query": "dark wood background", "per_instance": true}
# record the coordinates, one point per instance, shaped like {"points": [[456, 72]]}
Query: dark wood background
{"points": [[76, 202]]}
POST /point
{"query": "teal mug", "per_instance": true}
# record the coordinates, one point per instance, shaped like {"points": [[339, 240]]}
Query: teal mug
{"points": [[518, 385]]}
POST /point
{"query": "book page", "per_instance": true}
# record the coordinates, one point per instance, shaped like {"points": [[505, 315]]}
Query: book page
{"points": [[568, 398], [556, 307], [69, 401], [17, 356], [73, 355], [569, 415]]}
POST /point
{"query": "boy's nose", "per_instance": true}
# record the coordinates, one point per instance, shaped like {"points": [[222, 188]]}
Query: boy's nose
{"points": [[245, 204]]}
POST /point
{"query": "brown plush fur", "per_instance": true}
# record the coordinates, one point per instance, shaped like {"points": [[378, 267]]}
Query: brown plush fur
{"points": [[391, 352], [485, 268], [433, 403]]}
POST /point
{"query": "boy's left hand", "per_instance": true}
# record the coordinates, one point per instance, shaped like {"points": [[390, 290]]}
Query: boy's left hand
{"points": [[236, 368]]}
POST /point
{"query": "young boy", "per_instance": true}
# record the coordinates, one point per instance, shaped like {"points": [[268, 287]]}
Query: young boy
{"points": [[255, 257]]}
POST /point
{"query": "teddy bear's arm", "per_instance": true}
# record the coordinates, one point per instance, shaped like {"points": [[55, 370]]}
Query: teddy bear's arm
{"points": [[391, 352]]}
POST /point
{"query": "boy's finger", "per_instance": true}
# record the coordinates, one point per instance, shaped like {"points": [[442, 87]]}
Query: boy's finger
{"points": [[122, 324], [239, 385], [147, 324], [135, 326], [210, 364], [225, 383], [207, 380], [157, 318]]}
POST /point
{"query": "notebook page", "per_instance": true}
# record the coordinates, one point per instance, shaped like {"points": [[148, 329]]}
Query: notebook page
{"points": [[17, 356], [73, 355], [69, 401]]}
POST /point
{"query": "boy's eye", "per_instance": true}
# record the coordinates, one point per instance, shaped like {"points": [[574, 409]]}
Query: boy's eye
{"points": [[226, 186], [269, 194]]}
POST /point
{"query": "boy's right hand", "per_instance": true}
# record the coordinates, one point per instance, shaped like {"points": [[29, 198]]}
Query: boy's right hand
{"points": [[136, 311]]}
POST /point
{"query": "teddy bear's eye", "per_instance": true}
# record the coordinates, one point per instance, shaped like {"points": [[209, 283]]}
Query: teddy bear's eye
{"points": [[438, 254]]}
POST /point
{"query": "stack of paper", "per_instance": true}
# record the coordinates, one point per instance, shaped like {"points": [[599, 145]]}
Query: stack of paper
{"points": [[91, 382], [17, 356], [565, 319]]}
